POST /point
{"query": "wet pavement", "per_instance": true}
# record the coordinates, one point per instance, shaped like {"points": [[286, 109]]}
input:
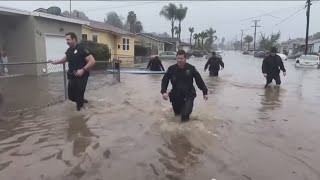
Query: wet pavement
{"points": [[243, 132]]}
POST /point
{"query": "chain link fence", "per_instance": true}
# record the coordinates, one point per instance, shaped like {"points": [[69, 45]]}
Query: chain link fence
{"points": [[27, 86]]}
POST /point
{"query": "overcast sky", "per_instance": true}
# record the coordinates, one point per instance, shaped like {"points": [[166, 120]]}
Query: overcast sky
{"points": [[226, 17]]}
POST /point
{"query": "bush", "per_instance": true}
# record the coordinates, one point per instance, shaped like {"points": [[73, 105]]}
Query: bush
{"points": [[100, 52]]}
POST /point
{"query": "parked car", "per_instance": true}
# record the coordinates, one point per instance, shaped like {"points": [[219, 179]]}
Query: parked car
{"points": [[195, 53], [245, 53], [283, 56], [167, 55], [308, 61], [260, 54]]}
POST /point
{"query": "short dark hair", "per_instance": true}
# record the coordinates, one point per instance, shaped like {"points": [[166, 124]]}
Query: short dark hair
{"points": [[72, 35], [182, 52], [213, 53]]}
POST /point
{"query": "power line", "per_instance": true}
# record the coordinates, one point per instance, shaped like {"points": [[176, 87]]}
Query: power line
{"points": [[291, 15], [107, 8]]}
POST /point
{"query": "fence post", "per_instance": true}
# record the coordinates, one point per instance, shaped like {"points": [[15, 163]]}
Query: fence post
{"points": [[65, 81]]}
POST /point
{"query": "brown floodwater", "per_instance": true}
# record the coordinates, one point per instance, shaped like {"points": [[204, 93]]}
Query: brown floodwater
{"points": [[243, 132]]}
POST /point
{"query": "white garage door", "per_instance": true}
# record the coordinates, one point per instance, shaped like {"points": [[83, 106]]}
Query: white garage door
{"points": [[56, 46]]}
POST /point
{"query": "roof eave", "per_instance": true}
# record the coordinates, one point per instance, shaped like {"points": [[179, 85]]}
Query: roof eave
{"points": [[58, 18]]}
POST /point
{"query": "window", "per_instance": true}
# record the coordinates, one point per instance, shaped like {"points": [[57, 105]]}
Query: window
{"points": [[95, 38], [84, 37], [125, 44], [160, 47]]}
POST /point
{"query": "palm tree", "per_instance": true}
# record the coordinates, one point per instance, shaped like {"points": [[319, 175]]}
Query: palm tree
{"points": [[196, 37], [131, 19], [248, 39], [177, 31], [169, 12], [211, 33], [191, 30], [203, 36], [181, 13]]}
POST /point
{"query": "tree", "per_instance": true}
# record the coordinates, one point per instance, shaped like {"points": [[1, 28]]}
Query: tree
{"points": [[211, 38], [191, 30], [76, 15], [221, 44], [181, 13], [169, 12], [132, 19], [114, 19], [54, 10], [203, 36], [196, 37], [267, 42], [177, 31], [138, 28], [248, 39], [237, 45]]}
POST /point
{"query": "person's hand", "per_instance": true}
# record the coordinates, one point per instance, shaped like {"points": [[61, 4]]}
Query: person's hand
{"points": [[265, 75], [52, 61], [165, 96], [205, 97], [80, 72], [284, 73]]}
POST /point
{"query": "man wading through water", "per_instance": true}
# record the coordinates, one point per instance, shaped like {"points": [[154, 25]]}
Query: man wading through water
{"points": [[80, 61], [271, 67], [183, 92], [155, 64], [214, 64]]}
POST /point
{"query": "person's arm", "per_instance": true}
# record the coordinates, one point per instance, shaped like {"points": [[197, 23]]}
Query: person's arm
{"points": [[59, 61], [264, 67], [221, 62], [162, 66], [207, 64], [200, 83], [281, 65], [149, 64], [165, 82], [90, 62]]}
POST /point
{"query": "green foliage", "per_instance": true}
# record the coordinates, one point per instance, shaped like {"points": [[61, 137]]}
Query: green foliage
{"points": [[267, 42], [169, 12], [114, 19], [181, 14], [248, 39], [100, 52]]}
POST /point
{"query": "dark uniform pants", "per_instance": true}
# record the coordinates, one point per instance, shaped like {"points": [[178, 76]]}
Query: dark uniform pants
{"points": [[182, 106], [214, 73], [76, 89], [275, 77]]}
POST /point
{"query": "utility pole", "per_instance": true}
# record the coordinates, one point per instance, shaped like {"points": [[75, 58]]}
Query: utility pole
{"points": [[307, 31], [255, 33], [242, 37]]}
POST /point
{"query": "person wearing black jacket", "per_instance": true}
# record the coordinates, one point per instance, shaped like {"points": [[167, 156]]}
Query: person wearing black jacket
{"points": [[214, 64], [271, 67], [182, 95], [155, 64]]}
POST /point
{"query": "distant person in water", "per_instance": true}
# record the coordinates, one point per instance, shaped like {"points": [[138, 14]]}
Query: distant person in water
{"points": [[271, 67], [214, 63], [181, 75], [155, 64]]}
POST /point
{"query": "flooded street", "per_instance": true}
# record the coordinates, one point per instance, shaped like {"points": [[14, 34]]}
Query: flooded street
{"points": [[243, 132]]}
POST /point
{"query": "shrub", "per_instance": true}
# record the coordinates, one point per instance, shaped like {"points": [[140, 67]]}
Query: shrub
{"points": [[100, 52]]}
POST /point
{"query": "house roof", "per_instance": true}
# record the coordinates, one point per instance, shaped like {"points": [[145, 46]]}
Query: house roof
{"points": [[153, 37], [184, 44], [169, 39], [13, 11], [106, 27], [314, 41]]}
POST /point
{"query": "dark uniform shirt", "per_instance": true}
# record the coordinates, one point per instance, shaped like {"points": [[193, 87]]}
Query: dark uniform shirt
{"points": [[155, 65], [182, 81], [76, 57], [272, 64], [214, 63]]}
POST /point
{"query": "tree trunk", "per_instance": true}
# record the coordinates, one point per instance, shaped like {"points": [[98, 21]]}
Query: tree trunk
{"points": [[248, 46], [172, 28], [190, 40]]}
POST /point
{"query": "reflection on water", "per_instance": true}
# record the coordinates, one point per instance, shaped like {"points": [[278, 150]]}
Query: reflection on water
{"points": [[270, 101], [178, 155]]}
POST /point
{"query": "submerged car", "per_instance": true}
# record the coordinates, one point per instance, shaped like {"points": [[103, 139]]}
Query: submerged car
{"points": [[246, 53], [308, 61], [167, 55]]}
